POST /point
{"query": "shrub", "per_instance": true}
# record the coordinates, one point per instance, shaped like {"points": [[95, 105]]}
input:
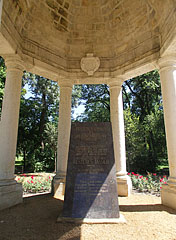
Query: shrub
{"points": [[34, 183], [151, 182]]}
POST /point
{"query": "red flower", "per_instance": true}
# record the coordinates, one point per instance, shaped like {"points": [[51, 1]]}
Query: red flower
{"points": [[141, 177], [154, 174], [137, 174], [32, 181], [146, 178], [132, 173], [161, 179], [164, 176], [32, 177], [49, 177]]}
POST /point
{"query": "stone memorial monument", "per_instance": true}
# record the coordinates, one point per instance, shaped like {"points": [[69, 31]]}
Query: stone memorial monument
{"points": [[91, 187]]}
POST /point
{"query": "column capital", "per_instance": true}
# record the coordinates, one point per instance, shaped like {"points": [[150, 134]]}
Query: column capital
{"points": [[167, 62], [116, 82], [65, 84], [14, 63]]}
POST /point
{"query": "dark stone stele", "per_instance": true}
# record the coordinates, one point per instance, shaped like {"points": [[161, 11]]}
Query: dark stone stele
{"points": [[91, 187]]}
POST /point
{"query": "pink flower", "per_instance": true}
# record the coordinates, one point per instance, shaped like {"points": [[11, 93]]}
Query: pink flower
{"points": [[132, 173], [161, 179], [49, 177], [146, 178], [154, 174], [18, 179]]}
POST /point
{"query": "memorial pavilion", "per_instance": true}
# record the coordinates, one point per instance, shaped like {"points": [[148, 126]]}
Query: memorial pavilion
{"points": [[86, 42]]}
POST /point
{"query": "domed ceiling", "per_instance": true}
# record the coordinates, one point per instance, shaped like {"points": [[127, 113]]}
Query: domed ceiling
{"points": [[116, 31]]}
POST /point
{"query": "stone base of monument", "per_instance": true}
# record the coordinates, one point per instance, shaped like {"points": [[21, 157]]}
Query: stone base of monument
{"points": [[124, 186], [58, 188], [121, 219], [11, 194], [168, 195]]}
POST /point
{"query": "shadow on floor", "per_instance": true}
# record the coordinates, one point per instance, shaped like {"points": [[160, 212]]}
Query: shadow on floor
{"points": [[146, 208], [35, 219]]}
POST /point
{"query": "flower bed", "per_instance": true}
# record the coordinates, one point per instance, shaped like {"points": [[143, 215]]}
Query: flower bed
{"points": [[151, 183], [33, 183]]}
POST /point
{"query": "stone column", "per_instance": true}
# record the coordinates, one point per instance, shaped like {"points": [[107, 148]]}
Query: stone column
{"points": [[167, 66], [64, 127], [10, 191], [116, 109]]}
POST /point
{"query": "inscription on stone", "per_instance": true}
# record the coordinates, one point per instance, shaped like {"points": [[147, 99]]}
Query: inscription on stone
{"points": [[91, 188]]}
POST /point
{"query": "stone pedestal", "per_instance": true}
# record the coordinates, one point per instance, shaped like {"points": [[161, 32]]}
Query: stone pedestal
{"points": [[116, 108], [10, 191], [124, 186], [64, 127], [58, 187], [167, 66], [168, 196]]}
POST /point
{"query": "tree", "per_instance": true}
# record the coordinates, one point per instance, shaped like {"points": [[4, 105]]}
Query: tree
{"points": [[144, 98], [97, 103], [38, 118]]}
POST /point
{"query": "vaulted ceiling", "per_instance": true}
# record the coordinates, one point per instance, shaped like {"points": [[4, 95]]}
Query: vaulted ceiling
{"points": [[119, 31]]}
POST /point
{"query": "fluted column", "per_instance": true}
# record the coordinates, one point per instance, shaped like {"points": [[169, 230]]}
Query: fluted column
{"points": [[9, 130], [117, 121], [167, 67], [64, 127]]}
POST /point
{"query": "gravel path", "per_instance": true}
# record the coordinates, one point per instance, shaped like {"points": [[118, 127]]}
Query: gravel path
{"points": [[35, 219]]}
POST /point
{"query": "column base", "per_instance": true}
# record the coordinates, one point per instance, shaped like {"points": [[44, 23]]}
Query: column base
{"points": [[168, 196], [58, 187], [124, 186], [11, 193]]}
